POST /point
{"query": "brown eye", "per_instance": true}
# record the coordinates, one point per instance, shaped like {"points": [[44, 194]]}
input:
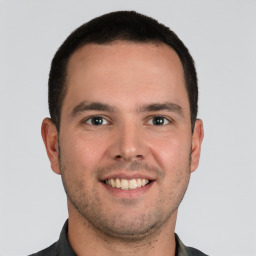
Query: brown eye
{"points": [[96, 120], [158, 120]]}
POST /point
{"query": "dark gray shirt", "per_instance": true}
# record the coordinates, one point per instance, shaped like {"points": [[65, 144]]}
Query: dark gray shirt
{"points": [[62, 247]]}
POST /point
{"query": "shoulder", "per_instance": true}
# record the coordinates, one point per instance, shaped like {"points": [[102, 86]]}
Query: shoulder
{"points": [[194, 252], [49, 251], [60, 248], [183, 250]]}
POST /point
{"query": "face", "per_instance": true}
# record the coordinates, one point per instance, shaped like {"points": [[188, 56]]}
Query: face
{"points": [[125, 142]]}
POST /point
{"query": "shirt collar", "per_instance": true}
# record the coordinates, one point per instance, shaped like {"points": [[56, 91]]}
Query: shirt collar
{"points": [[181, 249], [63, 246]]}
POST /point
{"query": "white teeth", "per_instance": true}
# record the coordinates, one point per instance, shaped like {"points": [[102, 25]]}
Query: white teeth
{"points": [[132, 184], [118, 183], [124, 184], [112, 182], [127, 184], [139, 183]]}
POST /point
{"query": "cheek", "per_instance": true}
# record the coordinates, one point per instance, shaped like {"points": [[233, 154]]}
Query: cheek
{"points": [[171, 152], [81, 153]]}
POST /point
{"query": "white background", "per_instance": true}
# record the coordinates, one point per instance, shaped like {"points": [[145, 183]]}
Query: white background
{"points": [[218, 214]]}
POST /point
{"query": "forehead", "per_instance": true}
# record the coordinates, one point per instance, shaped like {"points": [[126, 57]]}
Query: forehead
{"points": [[125, 69], [157, 56]]}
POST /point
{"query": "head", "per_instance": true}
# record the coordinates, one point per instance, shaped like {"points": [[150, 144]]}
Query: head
{"points": [[127, 26], [123, 100]]}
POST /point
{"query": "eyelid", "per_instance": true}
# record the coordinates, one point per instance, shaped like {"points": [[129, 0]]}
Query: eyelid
{"points": [[169, 120], [149, 120], [87, 119]]}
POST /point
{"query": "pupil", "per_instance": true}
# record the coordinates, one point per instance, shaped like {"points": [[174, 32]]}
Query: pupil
{"points": [[97, 120], [158, 120]]}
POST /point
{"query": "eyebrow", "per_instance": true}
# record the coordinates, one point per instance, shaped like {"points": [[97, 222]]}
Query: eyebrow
{"points": [[167, 106], [98, 106]]}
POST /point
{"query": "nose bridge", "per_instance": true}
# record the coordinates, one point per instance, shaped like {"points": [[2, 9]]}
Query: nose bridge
{"points": [[128, 143]]}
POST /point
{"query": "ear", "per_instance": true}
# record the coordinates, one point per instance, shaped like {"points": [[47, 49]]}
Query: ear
{"points": [[197, 138], [50, 137]]}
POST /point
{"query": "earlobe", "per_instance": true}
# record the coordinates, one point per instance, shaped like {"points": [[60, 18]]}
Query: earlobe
{"points": [[197, 138], [50, 138]]}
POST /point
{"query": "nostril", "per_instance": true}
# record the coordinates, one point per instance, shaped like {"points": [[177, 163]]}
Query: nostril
{"points": [[120, 157]]}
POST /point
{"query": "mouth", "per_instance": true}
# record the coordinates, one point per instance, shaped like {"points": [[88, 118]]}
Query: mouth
{"points": [[125, 184]]}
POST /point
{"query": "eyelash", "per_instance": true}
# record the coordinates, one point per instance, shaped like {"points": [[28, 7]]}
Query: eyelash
{"points": [[166, 120], [89, 120], [104, 121]]}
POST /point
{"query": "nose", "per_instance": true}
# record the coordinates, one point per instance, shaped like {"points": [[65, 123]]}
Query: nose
{"points": [[128, 144]]}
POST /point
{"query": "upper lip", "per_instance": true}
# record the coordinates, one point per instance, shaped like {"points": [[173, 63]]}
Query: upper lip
{"points": [[127, 176]]}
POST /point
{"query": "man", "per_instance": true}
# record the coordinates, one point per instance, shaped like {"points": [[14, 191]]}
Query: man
{"points": [[123, 135]]}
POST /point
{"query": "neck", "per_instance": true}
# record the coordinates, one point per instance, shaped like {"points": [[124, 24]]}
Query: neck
{"points": [[85, 239]]}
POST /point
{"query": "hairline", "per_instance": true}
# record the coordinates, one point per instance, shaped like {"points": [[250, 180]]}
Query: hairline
{"points": [[112, 42]]}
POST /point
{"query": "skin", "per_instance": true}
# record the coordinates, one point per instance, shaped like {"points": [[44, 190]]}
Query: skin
{"points": [[128, 78]]}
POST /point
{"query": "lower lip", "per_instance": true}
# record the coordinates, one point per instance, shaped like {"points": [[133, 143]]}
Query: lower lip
{"points": [[131, 193]]}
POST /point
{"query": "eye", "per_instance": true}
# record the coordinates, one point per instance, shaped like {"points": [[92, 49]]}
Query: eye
{"points": [[96, 120], [158, 120]]}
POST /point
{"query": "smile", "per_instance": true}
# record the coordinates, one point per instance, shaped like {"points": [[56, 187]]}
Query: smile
{"points": [[126, 184]]}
